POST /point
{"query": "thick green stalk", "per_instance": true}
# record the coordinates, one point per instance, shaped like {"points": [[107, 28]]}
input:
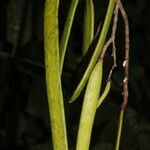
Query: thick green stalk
{"points": [[97, 51], [89, 108], [53, 82], [119, 129], [88, 26], [66, 32]]}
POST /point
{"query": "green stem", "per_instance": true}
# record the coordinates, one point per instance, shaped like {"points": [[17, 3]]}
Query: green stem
{"points": [[66, 32], [119, 129], [53, 82], [88, 26], [104, 94], [97, 51]]}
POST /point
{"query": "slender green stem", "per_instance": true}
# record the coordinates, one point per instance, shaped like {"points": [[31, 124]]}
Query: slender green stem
{"points": [[104, 94], [66, 32], [119, 129], [53, 82], [97, 51], [88, 26]]}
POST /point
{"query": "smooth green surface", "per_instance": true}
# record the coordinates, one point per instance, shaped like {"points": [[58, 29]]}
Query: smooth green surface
{"points": [[53, 82], [89, 108], [88, 26], [97, 51], [66, 32], [104, 94], [119, 129]]}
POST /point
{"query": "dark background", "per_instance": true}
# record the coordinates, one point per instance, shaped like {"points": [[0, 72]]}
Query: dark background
{"points": [[24, 117]]}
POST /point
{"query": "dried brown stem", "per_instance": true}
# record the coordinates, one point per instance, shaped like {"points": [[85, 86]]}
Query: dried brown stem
{"points": [[114, 28], [126, 59], [97, 31], [105, 48], [113, 36], [111, 40]]}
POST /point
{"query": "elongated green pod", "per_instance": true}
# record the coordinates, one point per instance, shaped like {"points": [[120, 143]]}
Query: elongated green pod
{"points": [[88, 26], [104, 94], [96, 53], [89, 108], [53, 82], [66, 32]]}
